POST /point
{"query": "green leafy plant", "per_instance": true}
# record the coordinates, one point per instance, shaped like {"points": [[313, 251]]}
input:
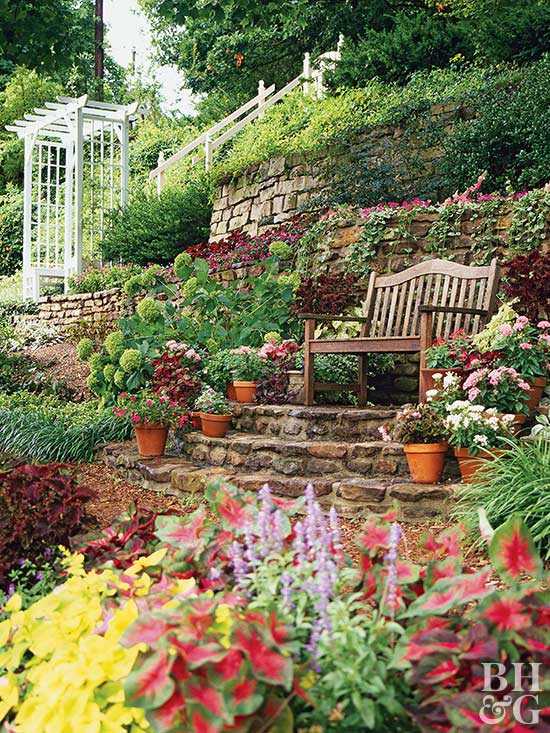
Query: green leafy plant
{"points": [[420, 423], [212, 402], [11, 231], [448, 353], [33, 579], [514, 483], [153, 229], [50, 429], [95, 279], [219, 368], [249, 366]]}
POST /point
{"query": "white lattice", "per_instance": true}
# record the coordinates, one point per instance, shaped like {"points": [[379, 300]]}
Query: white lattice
{"points": [[76, 173]]}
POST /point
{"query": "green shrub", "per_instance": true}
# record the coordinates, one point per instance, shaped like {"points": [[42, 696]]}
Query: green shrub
{"points": [[11, 231], [153, 229], [48, 429], [95, 279], [515, 483]]}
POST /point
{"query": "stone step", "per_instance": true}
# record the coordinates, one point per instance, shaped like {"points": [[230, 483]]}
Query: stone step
{"points": [[248, 452], [296, 422], [353, 497]]}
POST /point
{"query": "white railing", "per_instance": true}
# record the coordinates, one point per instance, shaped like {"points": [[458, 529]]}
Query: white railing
{"points": [[312, 81]]}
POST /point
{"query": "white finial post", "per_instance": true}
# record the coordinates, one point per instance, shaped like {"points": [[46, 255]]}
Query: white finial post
{"points": [[261, 95], [161, 175], [306, 72]]}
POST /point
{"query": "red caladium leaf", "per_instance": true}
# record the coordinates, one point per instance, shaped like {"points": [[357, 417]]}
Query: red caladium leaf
{"points": [[230, 666], [448, 593], [407, 572], [246, 697], [204, 694], [513, 552], [200, 724], [196, 655], [507, 614], [182, 532], [149, 684], [268, 665], [375, 538], [169, 716], [145, 630], [443, 673]]}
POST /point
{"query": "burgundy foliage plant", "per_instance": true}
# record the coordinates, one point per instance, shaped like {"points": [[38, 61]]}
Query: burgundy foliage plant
{"points": [[329, 294], [528, 280]]}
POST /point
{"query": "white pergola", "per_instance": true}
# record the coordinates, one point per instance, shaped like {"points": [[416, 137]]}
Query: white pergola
{"points": [[76, 173]]}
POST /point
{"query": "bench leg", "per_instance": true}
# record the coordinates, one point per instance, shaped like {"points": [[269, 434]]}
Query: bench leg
{"points": [[363, 393], [309, 365], [426, 340]]}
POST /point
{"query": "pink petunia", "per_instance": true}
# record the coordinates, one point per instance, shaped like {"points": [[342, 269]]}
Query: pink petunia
{"points": [[473, 393], [520, 323]]}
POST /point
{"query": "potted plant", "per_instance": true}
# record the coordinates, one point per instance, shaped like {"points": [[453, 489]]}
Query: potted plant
{"points": [[152, 416], [250, 368], [501, 388], [446, 356], [218, 372], [526, 348], [215, 413], [422, 432], [477, 434]]}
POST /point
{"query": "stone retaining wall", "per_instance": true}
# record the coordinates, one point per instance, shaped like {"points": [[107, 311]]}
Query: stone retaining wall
{"points": [[62, 310], [273, 191]]}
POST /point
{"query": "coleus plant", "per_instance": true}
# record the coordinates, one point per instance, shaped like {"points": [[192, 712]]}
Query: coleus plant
{"points": [[457, 620]]}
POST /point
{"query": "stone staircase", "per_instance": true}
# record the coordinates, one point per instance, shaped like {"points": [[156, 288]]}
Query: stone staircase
{"points": [[337, 449]]}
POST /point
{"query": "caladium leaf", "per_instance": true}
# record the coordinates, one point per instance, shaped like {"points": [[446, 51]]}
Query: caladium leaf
{"points": [[246, 697], [182, 532], [204, 694], [512, 551], [145, 630], [267, 664], [169, 716], [448, 593], [149, 685]]}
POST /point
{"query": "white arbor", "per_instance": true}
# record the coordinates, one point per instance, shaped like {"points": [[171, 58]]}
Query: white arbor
{"points": [[76, 172]]}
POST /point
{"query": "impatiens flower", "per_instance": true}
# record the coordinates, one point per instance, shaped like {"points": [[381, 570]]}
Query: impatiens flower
{"points": [[473, 393], [507, 615], [384, 433]]}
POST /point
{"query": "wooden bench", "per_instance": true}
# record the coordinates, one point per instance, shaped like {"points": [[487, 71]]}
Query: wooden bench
{"points": [[401, 313]]}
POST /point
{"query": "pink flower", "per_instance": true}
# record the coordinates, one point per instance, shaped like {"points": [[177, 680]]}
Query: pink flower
{"points": [[149, 403], [520, 323], [525, 346], [384, 433], [525, 386], [506, 329], [543, 324], [473, 393], [545, 337]]}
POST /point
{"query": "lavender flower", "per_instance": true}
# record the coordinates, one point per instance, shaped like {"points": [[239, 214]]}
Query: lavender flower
{"points": [[334, 526], [47, 553], [240, 567], [287, 581], [391, 559]]}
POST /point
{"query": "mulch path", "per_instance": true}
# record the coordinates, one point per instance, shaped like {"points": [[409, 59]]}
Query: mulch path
{"points": [[60, 361], [114, 496]]}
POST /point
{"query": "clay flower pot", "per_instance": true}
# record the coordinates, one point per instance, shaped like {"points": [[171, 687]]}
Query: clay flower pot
{"points": [[245, 391], [151, 439], [469, 464], [230, 391], [427, 375], [537, 385], [215, 426], [426, 461], [196, 420]]}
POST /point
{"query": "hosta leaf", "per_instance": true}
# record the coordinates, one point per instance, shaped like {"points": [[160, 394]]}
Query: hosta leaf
{"points": [[149, 684], [513, 552]]}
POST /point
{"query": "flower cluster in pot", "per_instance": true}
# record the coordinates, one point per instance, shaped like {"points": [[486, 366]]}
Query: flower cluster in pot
{"points": [[215, 412], [421, 429], [253, 366], [151, 410]]}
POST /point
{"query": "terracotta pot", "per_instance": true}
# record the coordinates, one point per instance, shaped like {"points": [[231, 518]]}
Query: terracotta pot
{"points": [[427, 375], [245, 391], [151, 439], [196, 420], [469, 465], [426, 461], [537, 385], [230, 391], [215, 426]]}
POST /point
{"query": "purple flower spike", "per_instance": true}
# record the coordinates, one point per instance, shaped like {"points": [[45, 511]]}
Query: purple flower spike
{"points": [[391, 558]]}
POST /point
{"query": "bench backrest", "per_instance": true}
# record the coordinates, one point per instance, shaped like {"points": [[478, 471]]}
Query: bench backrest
{"points": [[393, 301]]}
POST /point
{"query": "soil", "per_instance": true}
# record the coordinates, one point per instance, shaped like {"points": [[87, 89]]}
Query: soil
{"points": [[60, 361]]}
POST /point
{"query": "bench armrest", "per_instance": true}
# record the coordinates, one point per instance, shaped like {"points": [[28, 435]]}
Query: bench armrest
{"points": [[450, 309], [331, 319]]}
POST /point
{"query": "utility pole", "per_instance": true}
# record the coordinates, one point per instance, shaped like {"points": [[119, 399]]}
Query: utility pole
{"points": [[99, 53]]}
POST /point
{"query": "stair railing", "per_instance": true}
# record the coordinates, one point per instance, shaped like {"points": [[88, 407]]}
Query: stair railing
{"points": [[312, 81]]}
